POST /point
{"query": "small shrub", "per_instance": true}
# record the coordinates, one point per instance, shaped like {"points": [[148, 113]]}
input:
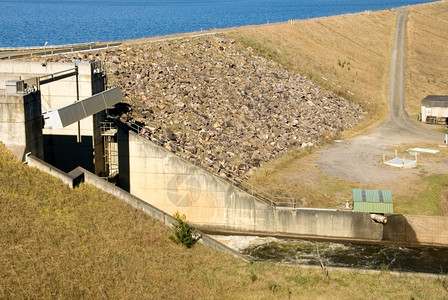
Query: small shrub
{"points": [[273, 287], [183, 233], [253, 276], [384, 268], [443, 282], [340, 63]]}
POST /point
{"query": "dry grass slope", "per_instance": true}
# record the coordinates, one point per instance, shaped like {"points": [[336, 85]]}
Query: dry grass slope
{"points": [[83, 243], [340, 53], [427, 63], [352, 53]]}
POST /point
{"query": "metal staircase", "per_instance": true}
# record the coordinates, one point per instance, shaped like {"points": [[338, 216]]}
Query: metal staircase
{"points": [[109, 133]]}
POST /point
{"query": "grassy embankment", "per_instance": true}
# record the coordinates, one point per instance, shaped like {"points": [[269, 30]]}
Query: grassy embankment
{"points": [[350, 56], [70, 244]]}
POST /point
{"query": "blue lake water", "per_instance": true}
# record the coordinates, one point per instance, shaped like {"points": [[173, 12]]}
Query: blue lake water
{"points": [[32, 23]]}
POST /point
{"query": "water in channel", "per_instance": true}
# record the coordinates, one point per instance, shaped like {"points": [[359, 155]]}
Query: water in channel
{"points": [[362, 256]]}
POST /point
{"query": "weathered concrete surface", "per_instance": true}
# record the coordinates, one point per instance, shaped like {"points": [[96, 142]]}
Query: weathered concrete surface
{"points": [[21, 123], [172, 184], [55, 94], [61, 146], [72, 179], [420, 230]]}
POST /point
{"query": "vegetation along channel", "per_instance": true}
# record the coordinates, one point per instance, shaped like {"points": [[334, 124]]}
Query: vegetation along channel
{"points": [[347, 255]]}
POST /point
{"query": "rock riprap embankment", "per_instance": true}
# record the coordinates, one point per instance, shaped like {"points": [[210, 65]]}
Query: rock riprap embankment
{"points": [[213, 99]]}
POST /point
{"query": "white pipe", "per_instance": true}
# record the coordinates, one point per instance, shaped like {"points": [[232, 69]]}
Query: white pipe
{"points": [[379, 218], [26, 157]]}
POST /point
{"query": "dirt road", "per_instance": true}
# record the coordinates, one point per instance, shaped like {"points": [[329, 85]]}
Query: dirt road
{"points": [[359, 159]]}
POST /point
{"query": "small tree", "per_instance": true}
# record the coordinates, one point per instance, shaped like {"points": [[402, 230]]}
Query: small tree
{"points": [[183, 233]]}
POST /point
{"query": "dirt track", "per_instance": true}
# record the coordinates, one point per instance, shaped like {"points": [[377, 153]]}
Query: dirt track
{"points": [[359, 159]]}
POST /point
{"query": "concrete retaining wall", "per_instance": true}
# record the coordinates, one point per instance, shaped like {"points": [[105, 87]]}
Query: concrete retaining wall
{"points": [[418, 230], [33, 161], [401, 229], [78, 175], [172, 184]]}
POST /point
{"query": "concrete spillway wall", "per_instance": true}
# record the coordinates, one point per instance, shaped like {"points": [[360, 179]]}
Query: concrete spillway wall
{"points": [[416, 230], [172, 184], [215, 205]]}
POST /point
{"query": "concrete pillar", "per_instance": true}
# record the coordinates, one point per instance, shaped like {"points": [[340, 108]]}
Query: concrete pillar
{"points": [[98, 85], [21, 123]]}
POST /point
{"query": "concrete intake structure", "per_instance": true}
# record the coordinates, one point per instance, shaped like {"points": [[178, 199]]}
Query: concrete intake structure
{"points": [[61, 147]]}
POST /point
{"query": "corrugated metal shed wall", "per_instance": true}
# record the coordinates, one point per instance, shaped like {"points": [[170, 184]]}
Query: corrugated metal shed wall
{"points": [[372, 201]]}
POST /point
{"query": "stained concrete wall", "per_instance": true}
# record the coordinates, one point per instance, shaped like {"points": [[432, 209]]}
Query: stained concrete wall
{"points": [[172, 184], [419, 230], [21, 123]]}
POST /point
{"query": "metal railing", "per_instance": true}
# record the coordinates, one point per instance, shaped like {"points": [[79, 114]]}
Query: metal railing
{"points": [[107, 126], [51, 50], [45, 47], [216, 168]]}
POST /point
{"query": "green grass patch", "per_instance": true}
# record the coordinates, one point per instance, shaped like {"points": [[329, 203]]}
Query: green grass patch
{"points": [[257, 45], [427, 201]]}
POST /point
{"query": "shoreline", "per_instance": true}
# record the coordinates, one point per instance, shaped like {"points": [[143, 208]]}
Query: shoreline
{"points": [[190, 33]]}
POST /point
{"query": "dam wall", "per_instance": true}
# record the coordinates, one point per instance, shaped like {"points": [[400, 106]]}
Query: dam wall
{"points": [[417, 230], [173, 184], [238, 212]]}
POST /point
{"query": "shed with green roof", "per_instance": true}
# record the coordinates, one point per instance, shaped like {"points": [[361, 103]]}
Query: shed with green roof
{"points": [[373, 201]]}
